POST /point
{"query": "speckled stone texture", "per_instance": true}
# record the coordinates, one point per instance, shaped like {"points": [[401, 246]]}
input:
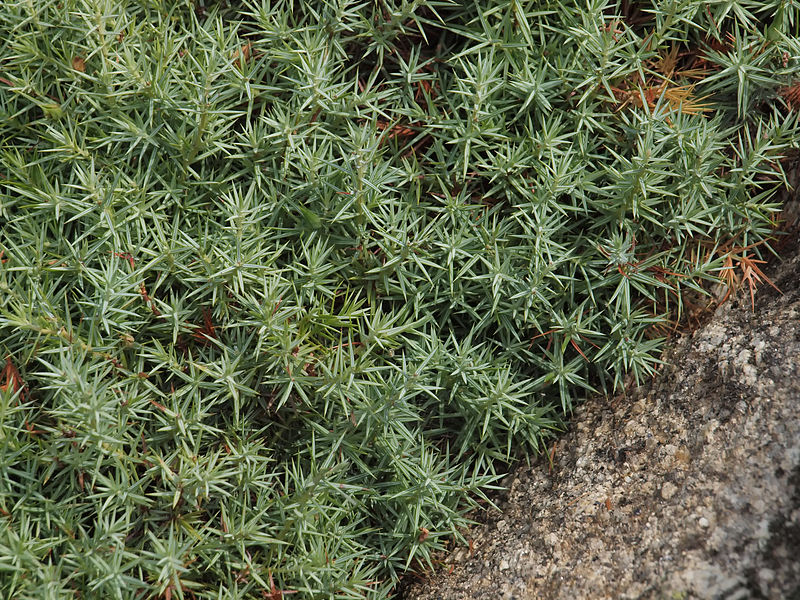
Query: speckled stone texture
{"points": [[688, 487]]}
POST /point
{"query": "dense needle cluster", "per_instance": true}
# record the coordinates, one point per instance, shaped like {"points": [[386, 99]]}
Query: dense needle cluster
{"points": [[285, 286]]}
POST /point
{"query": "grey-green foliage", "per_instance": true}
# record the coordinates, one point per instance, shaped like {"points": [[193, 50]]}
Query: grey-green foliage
{"points": [[290, 283]]}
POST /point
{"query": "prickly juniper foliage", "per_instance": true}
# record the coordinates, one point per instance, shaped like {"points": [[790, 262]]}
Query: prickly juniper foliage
{"points": [[284, 286]]}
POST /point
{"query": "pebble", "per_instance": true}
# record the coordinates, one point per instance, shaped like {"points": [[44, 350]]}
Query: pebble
{"points": [[766, 575], [668, 490]]}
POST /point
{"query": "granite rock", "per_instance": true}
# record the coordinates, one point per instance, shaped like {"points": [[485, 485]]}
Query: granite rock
{"points": [[687, 487]]}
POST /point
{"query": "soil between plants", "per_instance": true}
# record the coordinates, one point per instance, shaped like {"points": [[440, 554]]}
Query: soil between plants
{"points": [[688, 487]]}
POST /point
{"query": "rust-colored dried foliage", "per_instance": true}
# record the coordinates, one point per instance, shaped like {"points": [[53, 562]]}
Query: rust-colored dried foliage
{"points": [[741, 269], [12, 380], [243, 54], [791, 94], [662, 87], [207, 331]]}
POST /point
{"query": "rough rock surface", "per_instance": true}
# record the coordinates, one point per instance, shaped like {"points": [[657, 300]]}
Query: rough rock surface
{"points": [[688, 487]]}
